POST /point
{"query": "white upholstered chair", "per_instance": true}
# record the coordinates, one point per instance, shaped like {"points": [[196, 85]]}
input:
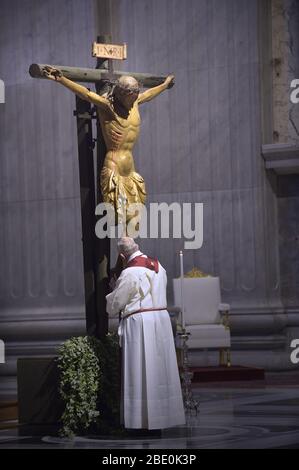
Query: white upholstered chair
{"points": [[206, 319]]}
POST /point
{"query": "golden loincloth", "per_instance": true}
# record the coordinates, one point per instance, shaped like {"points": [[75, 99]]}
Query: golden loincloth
{"points": [[131, 188]]}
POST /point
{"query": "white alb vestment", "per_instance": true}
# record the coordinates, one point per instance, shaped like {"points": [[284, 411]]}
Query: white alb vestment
{"points": [[151, 388]]}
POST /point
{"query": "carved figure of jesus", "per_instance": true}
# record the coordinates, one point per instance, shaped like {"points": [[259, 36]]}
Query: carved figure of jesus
{"points": [[118, 113]]}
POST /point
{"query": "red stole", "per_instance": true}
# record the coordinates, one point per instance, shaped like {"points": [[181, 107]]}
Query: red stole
{"points": [[143, 262]]}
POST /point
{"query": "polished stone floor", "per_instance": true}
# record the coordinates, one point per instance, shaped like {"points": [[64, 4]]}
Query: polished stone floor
{"points": [[232, 416]]}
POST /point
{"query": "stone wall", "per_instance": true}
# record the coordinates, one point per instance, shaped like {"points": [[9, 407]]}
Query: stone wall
{"points": [[41, 267]]}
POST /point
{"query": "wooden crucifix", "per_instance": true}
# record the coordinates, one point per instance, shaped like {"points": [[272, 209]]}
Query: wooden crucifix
{"points": [[116, 102]]}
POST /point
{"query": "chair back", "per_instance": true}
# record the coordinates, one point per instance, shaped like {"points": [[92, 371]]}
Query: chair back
{"points": [[201, 299]]}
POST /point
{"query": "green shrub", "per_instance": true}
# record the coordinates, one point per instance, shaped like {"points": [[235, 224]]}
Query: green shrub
{"points": [[89, 384]]}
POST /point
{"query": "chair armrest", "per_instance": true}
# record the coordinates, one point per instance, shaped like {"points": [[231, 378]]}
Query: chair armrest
{"points": [[224, 313]]}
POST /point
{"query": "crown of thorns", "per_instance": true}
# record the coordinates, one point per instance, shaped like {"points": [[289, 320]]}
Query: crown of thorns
{"points": [[125, 88]]}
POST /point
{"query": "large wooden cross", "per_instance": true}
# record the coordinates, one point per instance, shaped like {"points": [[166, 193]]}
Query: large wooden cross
{"points": [[96, 253]]}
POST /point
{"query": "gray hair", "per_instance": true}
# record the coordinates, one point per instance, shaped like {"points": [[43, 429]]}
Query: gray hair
{"points": [[127, 246]]}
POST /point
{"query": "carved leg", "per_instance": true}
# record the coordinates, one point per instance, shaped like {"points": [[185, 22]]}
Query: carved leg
{"points": [[222, 358], [228, 358]]}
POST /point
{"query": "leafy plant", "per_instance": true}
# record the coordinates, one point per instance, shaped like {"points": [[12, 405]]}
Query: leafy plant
{"points": [[89, 383]]}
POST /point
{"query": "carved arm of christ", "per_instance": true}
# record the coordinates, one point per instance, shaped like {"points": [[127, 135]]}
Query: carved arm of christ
{"points": [[120, 122], [122, 109]]}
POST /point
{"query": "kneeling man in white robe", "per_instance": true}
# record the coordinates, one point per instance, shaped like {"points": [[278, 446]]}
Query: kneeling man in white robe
{"points": [[151, 388]]}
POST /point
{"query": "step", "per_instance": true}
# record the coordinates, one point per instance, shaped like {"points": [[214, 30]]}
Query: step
{"points": [[223, 373]]}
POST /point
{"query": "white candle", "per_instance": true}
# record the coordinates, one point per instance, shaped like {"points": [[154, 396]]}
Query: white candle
{"points": [[182, 288]]}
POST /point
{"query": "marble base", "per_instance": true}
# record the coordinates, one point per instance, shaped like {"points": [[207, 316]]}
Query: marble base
{"points": [[38, 398]]}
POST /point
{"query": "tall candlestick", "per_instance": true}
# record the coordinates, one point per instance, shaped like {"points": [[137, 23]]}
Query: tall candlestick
{"points": [[182, 289]]}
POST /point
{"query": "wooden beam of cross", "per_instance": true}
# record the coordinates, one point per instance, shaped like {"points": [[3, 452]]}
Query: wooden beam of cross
{"points": [[96, 76]]}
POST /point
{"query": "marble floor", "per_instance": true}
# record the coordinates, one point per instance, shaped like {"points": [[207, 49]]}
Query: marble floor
{"points": [[232, 416]]}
